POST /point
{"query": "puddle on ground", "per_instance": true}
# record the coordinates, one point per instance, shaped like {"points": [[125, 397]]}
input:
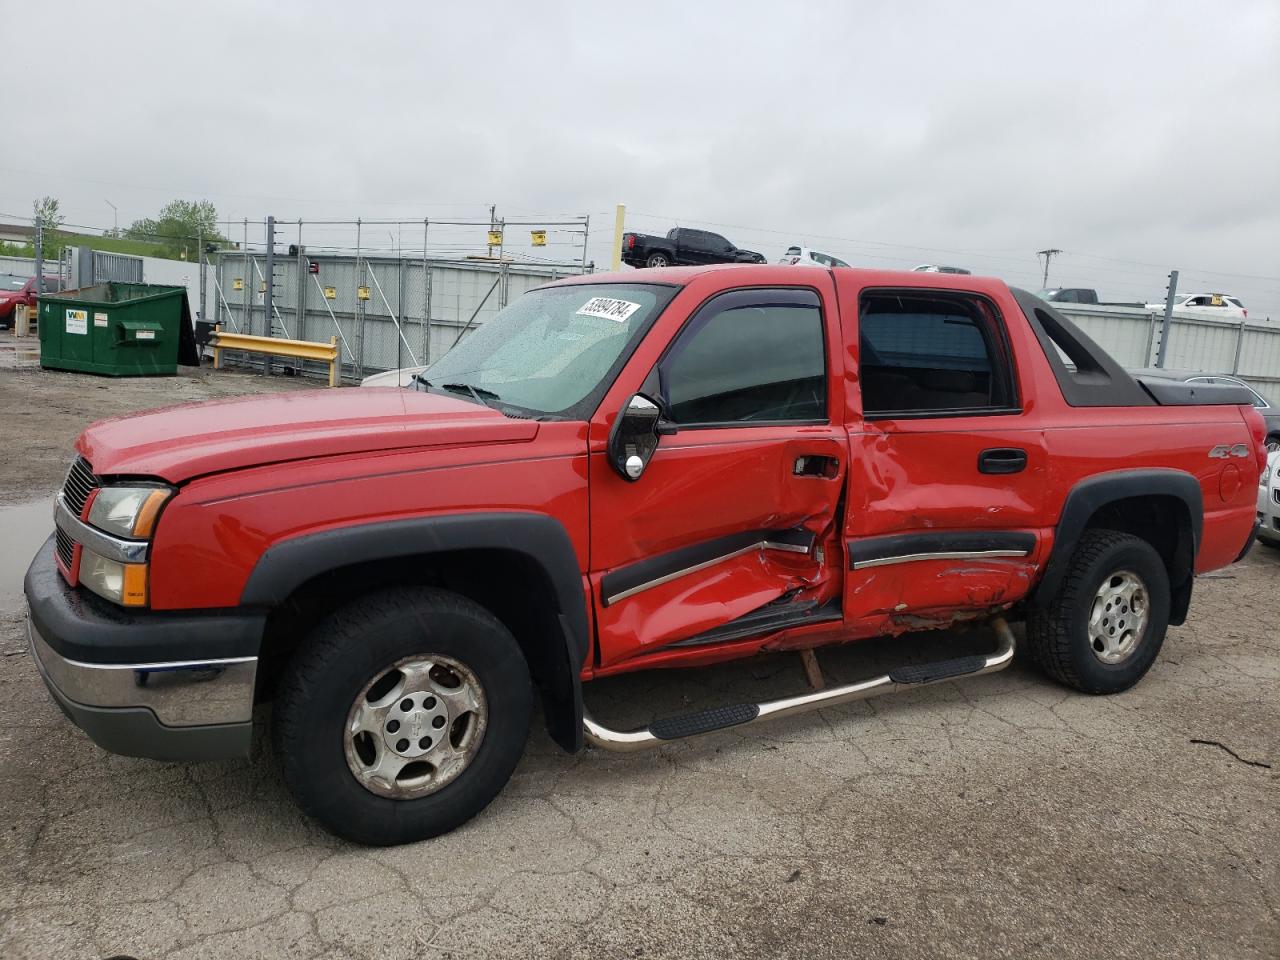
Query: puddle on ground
{"points": [[23, 528]]}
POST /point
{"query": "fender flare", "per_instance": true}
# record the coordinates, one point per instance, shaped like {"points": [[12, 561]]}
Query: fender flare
{"points": [[1090, 495], [287, 565]]}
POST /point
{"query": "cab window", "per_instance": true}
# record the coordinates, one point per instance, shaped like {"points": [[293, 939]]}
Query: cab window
{"points": [[927, 354], [748, 358]]}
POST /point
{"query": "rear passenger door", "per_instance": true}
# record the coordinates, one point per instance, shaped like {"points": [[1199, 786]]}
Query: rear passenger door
{"points": [[947, 472]]}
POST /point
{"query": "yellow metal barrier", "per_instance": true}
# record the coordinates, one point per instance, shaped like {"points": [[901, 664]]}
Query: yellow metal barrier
{"points": [[276, 347]]}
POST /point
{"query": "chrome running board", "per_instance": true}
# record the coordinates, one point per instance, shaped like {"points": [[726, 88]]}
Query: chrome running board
{"points": [[720, 718]]}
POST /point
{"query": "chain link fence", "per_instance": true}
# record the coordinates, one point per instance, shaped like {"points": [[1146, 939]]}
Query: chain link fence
{"points": [[386, 312]]}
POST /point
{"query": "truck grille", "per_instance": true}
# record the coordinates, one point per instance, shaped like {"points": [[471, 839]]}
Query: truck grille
{"points": [[79, 484], [65, 547]]}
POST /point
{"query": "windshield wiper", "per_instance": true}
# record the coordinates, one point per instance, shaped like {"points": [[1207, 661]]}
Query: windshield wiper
{"points": [[478, 392]]}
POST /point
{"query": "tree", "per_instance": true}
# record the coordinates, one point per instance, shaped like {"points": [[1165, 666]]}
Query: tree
{"points": [[46, 211], [47, 216], [178, 228]]}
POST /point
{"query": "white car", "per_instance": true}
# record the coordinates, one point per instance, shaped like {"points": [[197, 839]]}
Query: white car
{"points": [[804, 257], [1211, 306], [934, 268], [392, 378], [1269, 504]]}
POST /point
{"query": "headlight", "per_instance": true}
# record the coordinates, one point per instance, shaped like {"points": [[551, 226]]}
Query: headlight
{"points": [[128, 511], [122, 583]]}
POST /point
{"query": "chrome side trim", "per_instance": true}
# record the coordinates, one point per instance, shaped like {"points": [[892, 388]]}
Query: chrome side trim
{"points": [[103, 544], [181, 693], [628, 741], [947, 555], [667, 578]]}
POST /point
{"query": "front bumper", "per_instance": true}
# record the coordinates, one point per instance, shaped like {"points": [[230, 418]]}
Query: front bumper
{"points": [[144, 684]]}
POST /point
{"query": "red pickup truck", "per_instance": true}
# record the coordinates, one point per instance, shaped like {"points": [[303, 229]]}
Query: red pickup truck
{"points": [[617, 474]]}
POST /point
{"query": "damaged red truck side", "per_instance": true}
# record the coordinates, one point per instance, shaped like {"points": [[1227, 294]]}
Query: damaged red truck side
{"points": [[617, 474]]}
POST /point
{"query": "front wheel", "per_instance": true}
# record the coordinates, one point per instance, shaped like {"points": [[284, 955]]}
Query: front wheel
{"points": [[658, 260], [1103, 629], [402, 715]]}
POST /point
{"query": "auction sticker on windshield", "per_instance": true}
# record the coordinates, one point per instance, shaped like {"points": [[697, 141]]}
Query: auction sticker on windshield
{"points": [[609, 308]]}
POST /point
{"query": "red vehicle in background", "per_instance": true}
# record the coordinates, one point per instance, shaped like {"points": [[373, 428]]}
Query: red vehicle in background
{"points": [[617, 474], [16, 289]]}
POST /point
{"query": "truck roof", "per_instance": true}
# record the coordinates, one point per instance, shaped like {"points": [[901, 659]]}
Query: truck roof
{"points": [[762, 273]]}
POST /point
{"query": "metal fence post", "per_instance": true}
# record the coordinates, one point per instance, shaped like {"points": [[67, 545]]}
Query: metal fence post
{"points": [[399, 307], [246, 291], [361, 316], [39, 223], [203, 280], [1168, 317], [1235, 365], [426, 296], [300, 297]]}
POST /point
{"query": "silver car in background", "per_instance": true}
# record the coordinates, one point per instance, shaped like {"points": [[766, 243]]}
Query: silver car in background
{"points": [[1269, 504]]}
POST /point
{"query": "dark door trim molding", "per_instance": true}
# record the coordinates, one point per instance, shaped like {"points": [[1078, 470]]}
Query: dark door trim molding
{"points": [[653, 571], [911, 547]]}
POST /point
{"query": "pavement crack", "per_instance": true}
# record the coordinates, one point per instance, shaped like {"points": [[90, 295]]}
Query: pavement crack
{"points": [[1223, 746]]}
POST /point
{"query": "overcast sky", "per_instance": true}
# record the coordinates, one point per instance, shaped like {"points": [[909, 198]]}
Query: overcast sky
{"points": [[1134, 136]]}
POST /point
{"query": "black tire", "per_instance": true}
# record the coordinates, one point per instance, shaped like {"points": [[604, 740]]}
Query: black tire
{"points": [[1273, 443], [658, 259], [1270, 544], [1058, 634], [342, 655]]}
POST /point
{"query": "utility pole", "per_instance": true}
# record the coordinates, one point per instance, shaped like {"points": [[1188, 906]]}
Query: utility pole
{"points": [[115, 218], [493, 210], [1048, 255], [1170, 293]]}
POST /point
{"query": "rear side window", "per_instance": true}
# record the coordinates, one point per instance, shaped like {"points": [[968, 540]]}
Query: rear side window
{"points": [[753, 357], [930, 354]]}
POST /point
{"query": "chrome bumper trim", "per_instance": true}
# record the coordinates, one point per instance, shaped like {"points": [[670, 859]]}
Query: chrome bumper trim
{"points": [[183, 693], [103, 544]]}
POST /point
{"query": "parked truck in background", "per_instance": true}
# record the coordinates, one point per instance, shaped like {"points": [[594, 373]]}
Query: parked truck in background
{"points": [[683, 247], [616, 474]]}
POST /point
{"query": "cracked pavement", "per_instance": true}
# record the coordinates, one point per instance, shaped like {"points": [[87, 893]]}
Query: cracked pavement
{"points": [[1000, 816]]}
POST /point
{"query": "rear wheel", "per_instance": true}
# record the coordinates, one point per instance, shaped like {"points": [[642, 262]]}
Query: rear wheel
{"points": [[658, 260], [1103, 630], [402, 715], [1273, 443]]}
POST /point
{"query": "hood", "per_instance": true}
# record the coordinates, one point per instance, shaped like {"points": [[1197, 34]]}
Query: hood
{"points": [[181, 442]]}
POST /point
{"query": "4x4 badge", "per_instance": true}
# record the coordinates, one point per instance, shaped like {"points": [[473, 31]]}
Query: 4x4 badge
{"points": [[1223, 450]]}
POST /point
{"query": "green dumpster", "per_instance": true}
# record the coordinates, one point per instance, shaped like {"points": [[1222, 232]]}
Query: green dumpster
{"points": [[117, 329]]}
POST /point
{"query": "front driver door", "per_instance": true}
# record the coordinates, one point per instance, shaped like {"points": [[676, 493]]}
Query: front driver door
{"points": [[731, 521]]}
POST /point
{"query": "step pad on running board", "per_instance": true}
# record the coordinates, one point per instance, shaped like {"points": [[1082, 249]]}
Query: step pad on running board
{"points": [[704, 721], [928, 672]]}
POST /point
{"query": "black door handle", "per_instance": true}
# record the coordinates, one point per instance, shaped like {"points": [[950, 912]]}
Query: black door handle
{"points": [[1002, 460], [813, 465]]}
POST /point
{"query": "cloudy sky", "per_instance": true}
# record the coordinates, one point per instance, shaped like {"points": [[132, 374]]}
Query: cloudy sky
{"points": [[1134, 136]]}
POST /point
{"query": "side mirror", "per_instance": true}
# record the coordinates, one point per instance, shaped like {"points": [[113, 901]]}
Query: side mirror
{"points": [[634, 437]]}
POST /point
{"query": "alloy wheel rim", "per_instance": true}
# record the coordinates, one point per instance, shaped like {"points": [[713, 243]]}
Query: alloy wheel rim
{"points": [[415, 726], [1118, 618]]}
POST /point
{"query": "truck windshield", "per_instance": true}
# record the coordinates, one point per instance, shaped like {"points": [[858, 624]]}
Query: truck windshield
{"points": [[554, 351], [10, 282]]}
